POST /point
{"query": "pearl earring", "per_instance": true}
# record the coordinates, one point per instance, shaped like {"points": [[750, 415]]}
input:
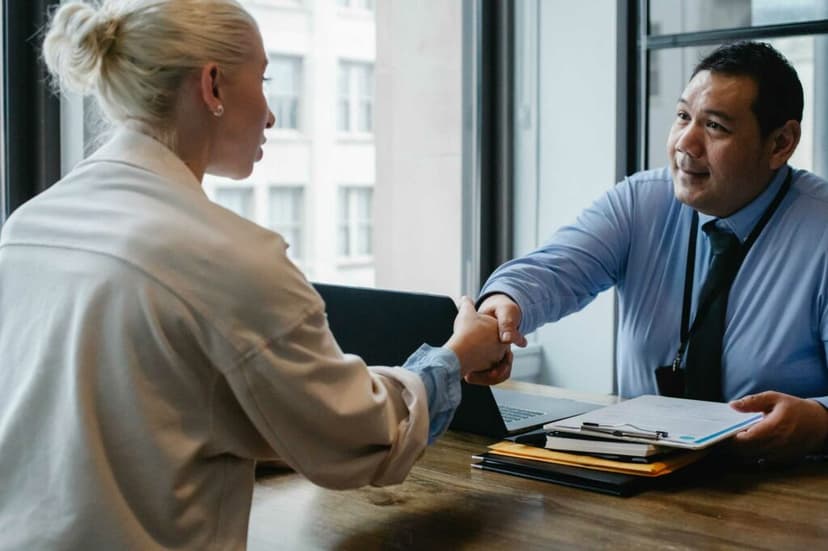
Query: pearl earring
{"points": [[219, 111]]}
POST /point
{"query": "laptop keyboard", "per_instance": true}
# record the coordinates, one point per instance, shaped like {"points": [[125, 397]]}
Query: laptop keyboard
{"points": [[510, 414]]}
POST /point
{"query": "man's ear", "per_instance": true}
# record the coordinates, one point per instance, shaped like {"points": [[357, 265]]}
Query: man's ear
{"points": [[210, 87], [783, 142]]}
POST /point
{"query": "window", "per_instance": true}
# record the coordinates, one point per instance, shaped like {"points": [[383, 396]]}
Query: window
{"points": [[3, 207], [238, 199], [797, 29], [355, 222], [565, 135], [286, 216], [355, 113], [367, 5], [284, 90], [706, 15], [403, 154], [799, 50]]}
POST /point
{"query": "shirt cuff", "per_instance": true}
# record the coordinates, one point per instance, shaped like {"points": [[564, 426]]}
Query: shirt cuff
{"points": [[823, 401], [439, 369], [529, 319]]}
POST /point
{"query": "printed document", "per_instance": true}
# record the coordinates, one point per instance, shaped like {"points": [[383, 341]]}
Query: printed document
{"points": [[675, 422]]}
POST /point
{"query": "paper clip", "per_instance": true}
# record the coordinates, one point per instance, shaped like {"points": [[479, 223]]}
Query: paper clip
{"points": [[619, 431]]}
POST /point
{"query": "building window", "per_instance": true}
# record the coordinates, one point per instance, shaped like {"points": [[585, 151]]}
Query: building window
{"points": [[367, 5], [237, 199], [355, 221], [286, 216], [284, 89], [355, 110]]}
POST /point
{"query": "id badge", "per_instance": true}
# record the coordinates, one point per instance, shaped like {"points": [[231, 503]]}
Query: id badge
{"points": [[670, 381]]}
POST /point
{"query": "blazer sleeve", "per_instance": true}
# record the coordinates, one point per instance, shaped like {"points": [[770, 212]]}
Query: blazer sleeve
{"points": [[329, 416]]}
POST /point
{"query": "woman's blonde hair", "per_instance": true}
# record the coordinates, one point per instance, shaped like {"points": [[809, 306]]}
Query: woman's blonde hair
{"points": [[133, 55]]}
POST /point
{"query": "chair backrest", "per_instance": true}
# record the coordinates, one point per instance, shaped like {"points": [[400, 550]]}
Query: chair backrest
{"points": [[384, 327]]}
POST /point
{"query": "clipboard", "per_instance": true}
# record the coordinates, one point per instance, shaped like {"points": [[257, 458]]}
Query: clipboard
{"points": [[662, 420]]}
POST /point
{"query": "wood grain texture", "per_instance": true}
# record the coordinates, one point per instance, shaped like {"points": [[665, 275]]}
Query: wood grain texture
{"points": [[445, 504]]}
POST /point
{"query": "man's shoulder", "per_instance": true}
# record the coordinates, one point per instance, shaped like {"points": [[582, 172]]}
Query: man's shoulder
{"points": [[652, 189], [654, 176], [653, 183], [811, 187]]}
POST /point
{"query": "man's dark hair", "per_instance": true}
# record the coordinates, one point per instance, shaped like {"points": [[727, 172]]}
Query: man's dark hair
{"points": [[779, 95]]}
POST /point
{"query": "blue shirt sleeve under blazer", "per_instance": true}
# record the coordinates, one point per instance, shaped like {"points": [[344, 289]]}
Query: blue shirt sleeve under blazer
{"points": [[635, 237]]}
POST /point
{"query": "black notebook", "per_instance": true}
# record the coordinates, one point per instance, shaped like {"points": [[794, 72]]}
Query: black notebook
{"points": [[605, 482]]}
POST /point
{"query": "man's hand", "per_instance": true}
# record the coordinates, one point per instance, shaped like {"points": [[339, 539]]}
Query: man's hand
{"points": [[792, 426], [484, 360], [507, 313]]}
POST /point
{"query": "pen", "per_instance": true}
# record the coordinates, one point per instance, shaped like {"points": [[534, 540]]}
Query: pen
{"points": [[616, 430]]}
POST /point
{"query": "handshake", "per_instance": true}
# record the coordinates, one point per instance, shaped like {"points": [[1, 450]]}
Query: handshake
{"points": [[482, 340]]}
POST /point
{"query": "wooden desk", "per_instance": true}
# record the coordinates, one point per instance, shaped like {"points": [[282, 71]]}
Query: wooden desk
{"points": [[445, 504]]}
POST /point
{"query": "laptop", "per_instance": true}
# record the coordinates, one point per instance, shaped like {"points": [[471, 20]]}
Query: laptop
{"points": [[384, 327]]}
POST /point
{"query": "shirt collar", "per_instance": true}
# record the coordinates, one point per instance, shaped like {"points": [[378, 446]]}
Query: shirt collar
{"points": [[742, 222], [128, 145]]}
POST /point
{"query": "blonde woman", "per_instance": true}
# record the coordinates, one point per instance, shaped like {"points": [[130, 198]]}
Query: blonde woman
{"points": [[153, 344]]}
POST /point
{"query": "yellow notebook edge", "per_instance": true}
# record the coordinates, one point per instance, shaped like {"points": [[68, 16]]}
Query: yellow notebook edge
{"points": [[656, 468]]}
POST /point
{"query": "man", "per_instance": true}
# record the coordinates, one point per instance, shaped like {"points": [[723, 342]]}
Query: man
{"points": [[737, 124]]}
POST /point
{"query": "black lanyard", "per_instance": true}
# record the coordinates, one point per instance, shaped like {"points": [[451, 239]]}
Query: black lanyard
{"points": [[687, 332]]}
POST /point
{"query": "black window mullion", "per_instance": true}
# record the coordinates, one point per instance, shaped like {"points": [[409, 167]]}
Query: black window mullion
{"points": [[31, 113], [717, 36], [488, 148]]}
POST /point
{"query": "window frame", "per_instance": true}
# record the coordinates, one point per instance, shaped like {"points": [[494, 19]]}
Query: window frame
{"points": [[347, 197], [298, 225], [367, 6], [245, 186], [648, 42], [353, 98], [31, 150], [298, 67]]}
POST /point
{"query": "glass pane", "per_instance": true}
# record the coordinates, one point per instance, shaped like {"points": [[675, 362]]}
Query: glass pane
{"points": [[565, 158], [284, 90], [672, 69], [672, 16], [286, 217], [365, 80], [343, 79], [366, 95], [415, 110], [366, 117], [366, 199], [364, 240], [239, 200], [344, 247], [343, 115], [282, 72]]}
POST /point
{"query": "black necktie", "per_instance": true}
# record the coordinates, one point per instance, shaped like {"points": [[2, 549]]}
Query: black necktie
{"points": [[704, 353]]}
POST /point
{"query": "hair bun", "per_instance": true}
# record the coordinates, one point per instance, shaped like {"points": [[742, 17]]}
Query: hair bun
{"points": [[108, 27], [77, 42]]}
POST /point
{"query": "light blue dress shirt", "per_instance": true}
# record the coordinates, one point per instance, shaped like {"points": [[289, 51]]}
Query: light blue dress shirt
{"points": [[635, 238], [440, 371]]}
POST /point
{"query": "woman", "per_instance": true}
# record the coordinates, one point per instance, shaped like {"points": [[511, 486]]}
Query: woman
{"points": [[154, 344]]}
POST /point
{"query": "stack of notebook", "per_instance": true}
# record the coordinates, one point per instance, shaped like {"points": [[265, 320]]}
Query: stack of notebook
{"points": [[620, 449]]}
